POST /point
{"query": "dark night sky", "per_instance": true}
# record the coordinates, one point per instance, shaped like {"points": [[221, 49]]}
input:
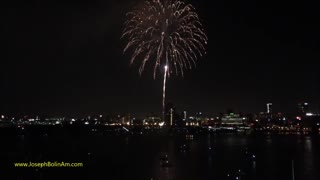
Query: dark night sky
{"points": [[67, 58]]}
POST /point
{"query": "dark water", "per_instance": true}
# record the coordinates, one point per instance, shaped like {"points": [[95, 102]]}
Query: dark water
{"points": [[139, 156]]}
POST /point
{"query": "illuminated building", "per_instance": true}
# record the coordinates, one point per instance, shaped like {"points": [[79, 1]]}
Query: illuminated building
{"points": [[171, 117], [232, 119], [152, 121], [170, 114], [303, 108], [199, 116], [311, 123], [269, 108]]}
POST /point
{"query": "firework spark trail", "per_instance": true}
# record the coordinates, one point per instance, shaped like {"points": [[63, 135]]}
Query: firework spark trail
{"points": [[164, 91], [167, 33]]}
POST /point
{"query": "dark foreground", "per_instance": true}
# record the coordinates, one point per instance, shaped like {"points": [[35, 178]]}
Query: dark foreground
{"points": [[157, 156]]}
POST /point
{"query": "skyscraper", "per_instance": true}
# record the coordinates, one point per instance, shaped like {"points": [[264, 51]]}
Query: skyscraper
{"points": [[303, 108], [171, 117], [269, 108], [169, 113]]}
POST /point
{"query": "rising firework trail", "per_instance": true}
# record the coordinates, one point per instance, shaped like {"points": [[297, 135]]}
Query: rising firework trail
{"points": [[166, 33], [164, 91]]}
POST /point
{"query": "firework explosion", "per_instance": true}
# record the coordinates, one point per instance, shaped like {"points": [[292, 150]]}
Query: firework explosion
{"points": [[167, 33]]}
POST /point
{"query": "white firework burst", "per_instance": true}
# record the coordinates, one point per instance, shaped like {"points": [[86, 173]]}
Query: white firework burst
{"points": [[166, 33]]}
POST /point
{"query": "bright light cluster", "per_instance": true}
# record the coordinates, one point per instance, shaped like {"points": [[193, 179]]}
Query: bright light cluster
{"points": [[167, 32]]}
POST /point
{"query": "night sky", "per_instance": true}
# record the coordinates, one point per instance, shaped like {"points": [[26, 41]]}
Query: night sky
{"points": [[66, 58]]}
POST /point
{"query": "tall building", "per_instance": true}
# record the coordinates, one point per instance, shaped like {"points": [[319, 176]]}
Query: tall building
{"points": [[171, 117], [269, 108], [170, 110], [303, 108], [198, 116]]}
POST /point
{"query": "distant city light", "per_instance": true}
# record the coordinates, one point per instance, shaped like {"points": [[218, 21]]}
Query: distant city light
{"points": [[161, 124], [86, 123], [125, 129], [309, 114], [73, 120], [2, 116], [100, 116], [298, 118]]}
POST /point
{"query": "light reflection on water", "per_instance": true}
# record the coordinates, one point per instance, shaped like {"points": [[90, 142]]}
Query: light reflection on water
{"points": [[308, 157], [139, 157]]}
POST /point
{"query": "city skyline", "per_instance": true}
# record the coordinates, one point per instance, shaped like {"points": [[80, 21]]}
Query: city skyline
{"points": [[300, 109], [67, 58]]}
